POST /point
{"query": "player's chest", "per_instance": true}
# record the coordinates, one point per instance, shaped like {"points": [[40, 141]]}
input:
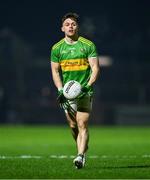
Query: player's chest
{"points": [[73, 53]]}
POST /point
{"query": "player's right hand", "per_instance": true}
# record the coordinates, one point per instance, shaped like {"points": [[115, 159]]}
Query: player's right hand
{"points": [[63, 102], [61, 98]]}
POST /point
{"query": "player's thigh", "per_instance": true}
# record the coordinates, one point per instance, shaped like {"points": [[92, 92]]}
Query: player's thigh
{"points": [[72, 123], [82, 119]]}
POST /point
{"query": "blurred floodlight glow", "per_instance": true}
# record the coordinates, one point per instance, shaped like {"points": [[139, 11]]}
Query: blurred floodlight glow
{"points": [[105, 61]]}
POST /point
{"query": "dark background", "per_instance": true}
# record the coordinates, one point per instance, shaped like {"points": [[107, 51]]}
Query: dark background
{"points": [[120, 30]]}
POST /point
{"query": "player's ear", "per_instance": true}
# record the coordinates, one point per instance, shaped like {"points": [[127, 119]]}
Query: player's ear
{"points": [[62, 28]]}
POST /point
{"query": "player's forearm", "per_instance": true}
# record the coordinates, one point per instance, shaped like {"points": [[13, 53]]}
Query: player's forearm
{"points": [[94, 75], [57, 79]]}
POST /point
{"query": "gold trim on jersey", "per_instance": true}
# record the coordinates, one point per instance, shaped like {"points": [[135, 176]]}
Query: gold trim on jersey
{"points": [[86, 41], [58, 43], [74, 64]]}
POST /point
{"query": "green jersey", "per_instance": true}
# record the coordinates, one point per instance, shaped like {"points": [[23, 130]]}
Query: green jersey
{"points": [[73, 59]]}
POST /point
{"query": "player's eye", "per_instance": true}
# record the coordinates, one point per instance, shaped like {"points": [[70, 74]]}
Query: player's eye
{"points": [[74, 24], [66, 24]]}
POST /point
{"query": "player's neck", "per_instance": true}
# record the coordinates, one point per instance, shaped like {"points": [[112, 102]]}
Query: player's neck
{"points": [[71, 40]]}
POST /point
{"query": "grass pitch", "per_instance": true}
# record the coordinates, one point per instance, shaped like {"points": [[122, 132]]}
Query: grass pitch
{"points": [[46, 152]]}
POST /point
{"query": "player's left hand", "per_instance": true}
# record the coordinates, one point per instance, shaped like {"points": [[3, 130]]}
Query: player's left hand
{"points": [[84, 90]]}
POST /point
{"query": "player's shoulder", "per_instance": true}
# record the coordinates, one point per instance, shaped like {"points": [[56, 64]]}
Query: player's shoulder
{"points": [[85, 41], [58, 44]]}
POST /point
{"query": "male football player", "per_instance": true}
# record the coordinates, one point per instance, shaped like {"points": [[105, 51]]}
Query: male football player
{"points": [[75, 58]]}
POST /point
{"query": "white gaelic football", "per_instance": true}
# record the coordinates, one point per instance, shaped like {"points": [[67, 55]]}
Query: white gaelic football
{"points": [[72, 89]]}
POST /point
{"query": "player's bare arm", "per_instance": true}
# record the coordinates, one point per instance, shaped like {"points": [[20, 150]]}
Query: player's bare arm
{"points": [[94, 64], [56, 74]]}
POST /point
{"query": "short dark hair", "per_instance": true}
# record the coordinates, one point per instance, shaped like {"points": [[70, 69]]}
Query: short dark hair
{"points": [[70, 15]]}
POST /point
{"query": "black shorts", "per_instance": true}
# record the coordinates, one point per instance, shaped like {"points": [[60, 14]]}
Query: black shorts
{"points": [[83, 104]]}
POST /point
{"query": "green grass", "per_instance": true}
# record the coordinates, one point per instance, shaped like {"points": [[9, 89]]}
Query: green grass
{"points": [[122, 152]]}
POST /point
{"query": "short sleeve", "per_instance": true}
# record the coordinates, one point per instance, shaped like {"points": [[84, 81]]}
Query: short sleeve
{"points": [[54, 55], [92, 51]]}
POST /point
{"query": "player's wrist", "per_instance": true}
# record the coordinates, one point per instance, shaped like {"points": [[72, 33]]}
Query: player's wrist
{"points": [[60, 88], [60, 91], [86, 88]]}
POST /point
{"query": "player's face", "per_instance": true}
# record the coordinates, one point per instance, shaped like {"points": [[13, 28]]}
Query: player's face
{"points": [[70, 27]]}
